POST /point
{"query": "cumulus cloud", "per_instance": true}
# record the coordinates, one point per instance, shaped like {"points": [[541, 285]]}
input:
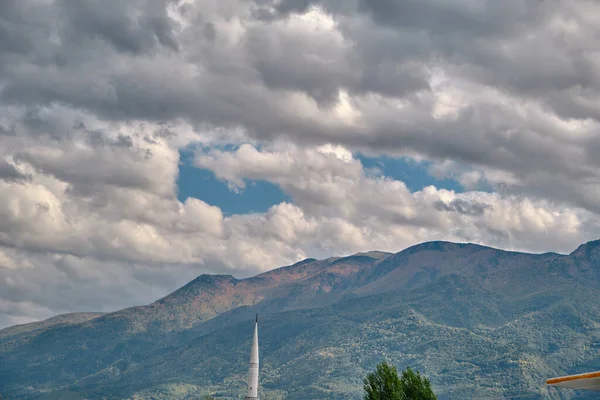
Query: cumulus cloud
{"points": [[328, 182], [97, 99]]}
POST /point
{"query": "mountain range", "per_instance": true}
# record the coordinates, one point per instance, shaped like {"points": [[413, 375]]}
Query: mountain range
{"points": [[479, 322]]}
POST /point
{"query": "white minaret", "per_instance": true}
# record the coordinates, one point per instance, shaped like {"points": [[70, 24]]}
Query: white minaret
{"points": [[253, 375]]}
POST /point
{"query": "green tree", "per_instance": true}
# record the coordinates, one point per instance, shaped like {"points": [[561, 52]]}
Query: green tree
{"points": [[384, 384], [415, 386]]}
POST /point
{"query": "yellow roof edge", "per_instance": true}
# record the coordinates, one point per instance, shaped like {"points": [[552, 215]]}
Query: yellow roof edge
{"points": [[588, 375]]}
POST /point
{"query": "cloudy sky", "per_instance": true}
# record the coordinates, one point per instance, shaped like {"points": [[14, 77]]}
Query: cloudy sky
{"points": [[145, 142]]}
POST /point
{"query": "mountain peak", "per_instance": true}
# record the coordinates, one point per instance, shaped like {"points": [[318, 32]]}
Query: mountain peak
{"points": [[587, 249], [209, 278], [376, 254], [202, 284], [441, 246]]}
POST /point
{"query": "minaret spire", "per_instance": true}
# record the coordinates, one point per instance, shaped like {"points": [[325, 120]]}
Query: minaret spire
{"points": [[253, 373]]}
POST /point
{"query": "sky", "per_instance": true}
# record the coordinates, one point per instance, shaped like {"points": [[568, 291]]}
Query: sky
{"points": [[146, 142]]}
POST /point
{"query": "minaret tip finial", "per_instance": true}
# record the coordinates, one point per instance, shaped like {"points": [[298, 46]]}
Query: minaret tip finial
{"points": [[257, 318]]}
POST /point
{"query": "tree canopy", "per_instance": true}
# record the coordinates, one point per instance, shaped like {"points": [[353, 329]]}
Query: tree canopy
{"points": [[385, 384]]}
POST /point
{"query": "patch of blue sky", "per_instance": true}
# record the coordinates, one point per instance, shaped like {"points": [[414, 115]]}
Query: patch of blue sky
{"points": [[415, 174], [257, 196]]}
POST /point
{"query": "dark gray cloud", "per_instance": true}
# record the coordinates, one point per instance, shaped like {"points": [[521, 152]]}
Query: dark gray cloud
{"points": [[472, 208], [58, 30], [121, 24], [464, 19], [10, 173], [385, 54], [535, 48]]}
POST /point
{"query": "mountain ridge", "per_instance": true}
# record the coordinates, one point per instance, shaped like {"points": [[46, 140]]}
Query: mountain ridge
{"points": [[579, 249], [534, 313]]}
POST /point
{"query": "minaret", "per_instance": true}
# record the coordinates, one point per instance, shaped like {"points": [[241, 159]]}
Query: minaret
{"points": [[253, 375]]}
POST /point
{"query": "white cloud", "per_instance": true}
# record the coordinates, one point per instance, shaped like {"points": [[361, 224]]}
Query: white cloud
{"points": [[333, 188]]}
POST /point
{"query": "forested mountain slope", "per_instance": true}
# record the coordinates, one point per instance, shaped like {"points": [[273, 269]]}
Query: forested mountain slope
{"points": [[480, 322]]}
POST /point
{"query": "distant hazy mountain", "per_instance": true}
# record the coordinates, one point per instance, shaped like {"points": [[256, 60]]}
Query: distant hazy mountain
{"points": [[480, 322]]}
